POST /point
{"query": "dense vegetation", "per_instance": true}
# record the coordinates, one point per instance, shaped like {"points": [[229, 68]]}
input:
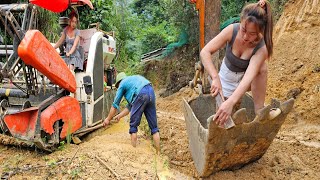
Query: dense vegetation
{"points": [[144, 25]]}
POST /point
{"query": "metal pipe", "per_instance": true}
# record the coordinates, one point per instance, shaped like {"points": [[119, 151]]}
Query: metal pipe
{"points": [[12, 93], [13, 7], [32, 16], [6, 47], [4, 53]]}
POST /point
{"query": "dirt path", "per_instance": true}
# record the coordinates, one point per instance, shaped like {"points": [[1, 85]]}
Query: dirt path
{"points": [[294, 154], [112, 146]]}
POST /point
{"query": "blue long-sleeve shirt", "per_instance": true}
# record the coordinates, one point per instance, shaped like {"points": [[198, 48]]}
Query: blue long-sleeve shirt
{"points": [[129, 87]]}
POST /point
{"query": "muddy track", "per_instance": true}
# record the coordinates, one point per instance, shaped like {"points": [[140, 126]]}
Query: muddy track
{"points": [[7, 140]]}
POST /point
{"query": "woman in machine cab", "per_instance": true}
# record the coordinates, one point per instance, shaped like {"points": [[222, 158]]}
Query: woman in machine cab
{"points": [[71, 35]]}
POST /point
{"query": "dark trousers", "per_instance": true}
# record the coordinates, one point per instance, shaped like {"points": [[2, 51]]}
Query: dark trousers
{"points": [[144, 103]]}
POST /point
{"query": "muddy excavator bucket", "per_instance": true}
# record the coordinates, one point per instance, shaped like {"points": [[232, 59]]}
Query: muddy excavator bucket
{"points": [[214, 148]]}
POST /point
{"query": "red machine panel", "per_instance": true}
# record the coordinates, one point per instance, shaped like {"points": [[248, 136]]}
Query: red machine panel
{"points": [[67, 109], [58, 5], [36, 50], [22, 125]]}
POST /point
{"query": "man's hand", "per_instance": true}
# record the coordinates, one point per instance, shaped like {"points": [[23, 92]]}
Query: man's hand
{"points": [[117, 118], [106, 122]]}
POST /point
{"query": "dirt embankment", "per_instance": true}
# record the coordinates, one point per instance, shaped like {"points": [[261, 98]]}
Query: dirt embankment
{"points": [[174, 72], [294, 70]]}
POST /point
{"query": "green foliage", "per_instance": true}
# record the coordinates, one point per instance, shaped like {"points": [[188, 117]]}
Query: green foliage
{"points": [[52, 163], [103, 14], [277, 7], [48, 24], [232, 8], [62, 146], [154, 37], [6, 38], [69, 131], [144, 127], [75, 173], [163, 20], [45, 158]]}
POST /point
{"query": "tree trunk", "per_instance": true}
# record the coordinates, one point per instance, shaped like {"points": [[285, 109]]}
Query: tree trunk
{"points": [[211, 29]]}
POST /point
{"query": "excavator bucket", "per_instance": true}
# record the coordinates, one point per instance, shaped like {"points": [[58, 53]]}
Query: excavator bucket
{"points": [[214, 148]]}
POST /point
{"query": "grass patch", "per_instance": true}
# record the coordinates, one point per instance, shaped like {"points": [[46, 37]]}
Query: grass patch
{"points": [[144, 127]]}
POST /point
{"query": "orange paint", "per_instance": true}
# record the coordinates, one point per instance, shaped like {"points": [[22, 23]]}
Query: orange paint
{"points": [[201, 8], [200, 5], [36, 50], [59, 5], [66, 108], [23, 123]]}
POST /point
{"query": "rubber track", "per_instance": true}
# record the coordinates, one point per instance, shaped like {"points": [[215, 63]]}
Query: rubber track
{"points": [[7, 140]]}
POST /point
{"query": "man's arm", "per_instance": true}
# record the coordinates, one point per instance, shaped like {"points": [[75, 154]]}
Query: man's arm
{"points": [[112, 112], [115, 105], [122, 114]]}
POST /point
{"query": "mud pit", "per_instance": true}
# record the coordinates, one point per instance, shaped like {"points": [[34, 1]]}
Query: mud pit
{"points": [[294, 153]]}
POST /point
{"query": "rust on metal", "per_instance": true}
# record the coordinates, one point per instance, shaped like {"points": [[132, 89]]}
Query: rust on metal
{"points": [[68, 110], [214, 148]]}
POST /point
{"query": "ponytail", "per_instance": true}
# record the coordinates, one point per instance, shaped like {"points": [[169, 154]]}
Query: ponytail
{"points": [[268, 29]]}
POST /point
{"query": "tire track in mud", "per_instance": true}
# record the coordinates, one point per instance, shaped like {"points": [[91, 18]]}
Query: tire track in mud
{"points": [[304, 134], [174, 141]]}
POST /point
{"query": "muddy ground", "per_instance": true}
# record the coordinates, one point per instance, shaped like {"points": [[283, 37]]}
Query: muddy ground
{"points": [[294, 72]]}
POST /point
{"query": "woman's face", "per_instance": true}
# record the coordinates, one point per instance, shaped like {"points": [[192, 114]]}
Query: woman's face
{"points": [[73, 22], [249, 32]]}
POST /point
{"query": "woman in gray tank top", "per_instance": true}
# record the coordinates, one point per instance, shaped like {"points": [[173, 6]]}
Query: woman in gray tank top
{"points": [[249, 45], [71, 35]]}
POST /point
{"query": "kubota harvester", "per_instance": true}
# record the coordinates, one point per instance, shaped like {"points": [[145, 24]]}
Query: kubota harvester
{"points": [[36, 107]]}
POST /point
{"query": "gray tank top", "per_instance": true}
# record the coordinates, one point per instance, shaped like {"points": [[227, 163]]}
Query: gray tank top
{"points": [[233, 62]]}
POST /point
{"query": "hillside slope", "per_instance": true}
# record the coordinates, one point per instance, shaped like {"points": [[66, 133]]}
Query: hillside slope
{"points": [[294, 70]]}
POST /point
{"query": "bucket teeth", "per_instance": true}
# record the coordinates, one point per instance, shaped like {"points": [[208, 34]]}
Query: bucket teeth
{"points": [[240, 116], [274, 112], [275, 103], [263, 114], [287, 106]]}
